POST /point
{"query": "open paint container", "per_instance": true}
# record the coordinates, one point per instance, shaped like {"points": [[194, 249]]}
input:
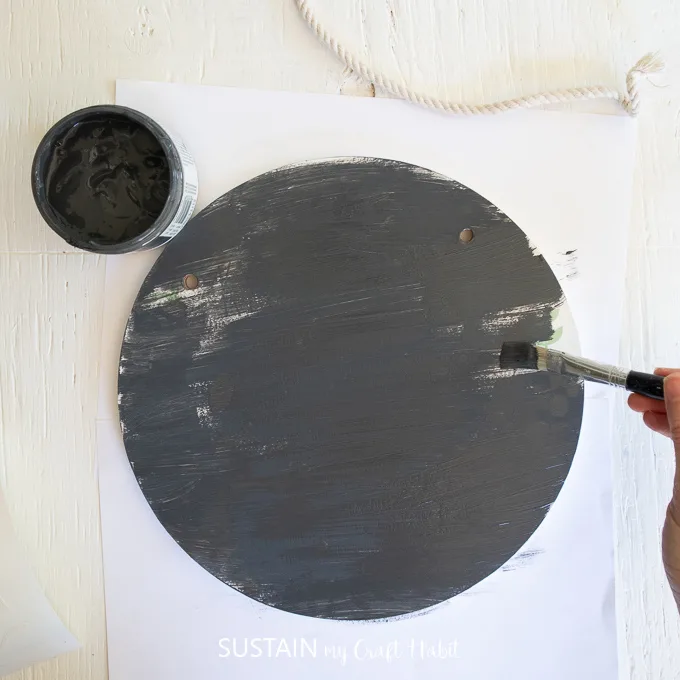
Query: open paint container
{"points": [[111, 180]]}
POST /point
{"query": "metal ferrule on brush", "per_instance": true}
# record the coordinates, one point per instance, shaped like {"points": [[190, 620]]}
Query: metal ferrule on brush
{"points": [[561, 362]]}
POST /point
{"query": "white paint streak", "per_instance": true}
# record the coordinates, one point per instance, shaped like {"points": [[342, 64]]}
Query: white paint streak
{"points": [[203, 409], [159, 297], [500, 322], [205, 417], [454, 330], [129, 329], [489, 376]]}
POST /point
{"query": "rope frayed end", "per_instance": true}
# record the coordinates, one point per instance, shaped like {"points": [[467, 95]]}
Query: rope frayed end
{"points": [[650, 63]]}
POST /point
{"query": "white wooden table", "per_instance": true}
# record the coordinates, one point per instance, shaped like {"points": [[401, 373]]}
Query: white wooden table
{"points": [[60, 55]]}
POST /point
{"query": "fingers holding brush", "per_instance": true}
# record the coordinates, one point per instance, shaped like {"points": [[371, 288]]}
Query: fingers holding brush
{"points": [[653, 412], [657, 422], [666, 371], [641, 404], [664, 417]]}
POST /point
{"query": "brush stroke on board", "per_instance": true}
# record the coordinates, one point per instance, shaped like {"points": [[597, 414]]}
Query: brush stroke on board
{"points": [[321, 423]]}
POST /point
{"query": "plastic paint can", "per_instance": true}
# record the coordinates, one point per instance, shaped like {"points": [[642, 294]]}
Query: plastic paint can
{"points": [[111, 180]]}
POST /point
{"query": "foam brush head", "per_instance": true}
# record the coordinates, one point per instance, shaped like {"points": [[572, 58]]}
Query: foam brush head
{"points": [[519, 355]]}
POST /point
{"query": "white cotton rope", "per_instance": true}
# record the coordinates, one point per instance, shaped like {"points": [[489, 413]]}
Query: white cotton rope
{"points": [[630, 100]]}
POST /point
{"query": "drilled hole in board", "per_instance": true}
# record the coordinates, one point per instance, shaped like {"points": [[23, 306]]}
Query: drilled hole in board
{"points": [[466, 235], [190, 282]]}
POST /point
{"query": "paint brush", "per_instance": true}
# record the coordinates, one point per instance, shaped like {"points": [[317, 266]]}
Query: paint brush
{"points": [[536, 358]]}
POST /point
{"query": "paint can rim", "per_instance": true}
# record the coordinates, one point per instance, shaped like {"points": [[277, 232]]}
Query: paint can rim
{"points": [[182, 194]]}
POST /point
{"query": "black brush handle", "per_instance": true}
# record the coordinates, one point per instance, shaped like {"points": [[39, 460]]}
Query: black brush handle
{"points": [[646, 384]]}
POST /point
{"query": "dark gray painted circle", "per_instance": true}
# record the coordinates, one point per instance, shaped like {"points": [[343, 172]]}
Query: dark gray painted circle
{"points": [[321, 423]]}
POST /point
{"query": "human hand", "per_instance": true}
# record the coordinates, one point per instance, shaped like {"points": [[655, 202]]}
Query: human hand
{"points": [[664, 417]]}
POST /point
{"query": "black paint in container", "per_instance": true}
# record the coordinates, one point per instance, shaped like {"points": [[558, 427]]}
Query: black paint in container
{"points": [[111, 180]]}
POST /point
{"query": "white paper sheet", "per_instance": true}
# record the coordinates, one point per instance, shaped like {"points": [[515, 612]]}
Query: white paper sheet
{"points": [[30, 631], [565, 179]]}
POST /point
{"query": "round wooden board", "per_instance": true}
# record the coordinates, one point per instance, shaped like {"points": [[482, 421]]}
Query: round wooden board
{"points": [[320, 422]]}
